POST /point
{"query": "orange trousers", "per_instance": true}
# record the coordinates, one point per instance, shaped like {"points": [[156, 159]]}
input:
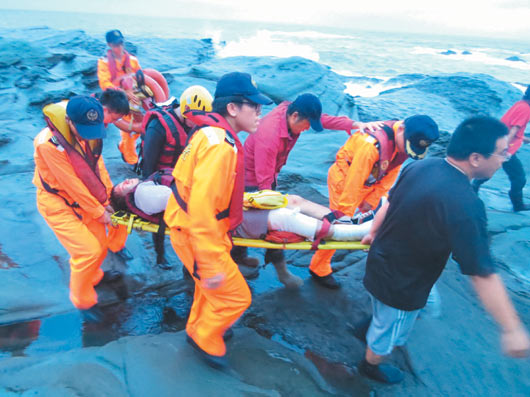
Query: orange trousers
{"points": [[127, 146], [213, 310], [321, 260], [85, 240]]}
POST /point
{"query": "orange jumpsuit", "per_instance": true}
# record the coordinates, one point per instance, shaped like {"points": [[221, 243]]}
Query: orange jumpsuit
{"points": [[204, 177], [127, 145], [347, 189], [85, 239]]}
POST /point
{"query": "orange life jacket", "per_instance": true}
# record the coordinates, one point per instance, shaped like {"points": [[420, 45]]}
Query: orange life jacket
{"points": [[235, 209]]}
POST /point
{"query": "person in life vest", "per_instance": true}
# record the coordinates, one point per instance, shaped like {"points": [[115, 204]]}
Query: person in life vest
{"points": [[148, 199], [73, 187], [267, 150], [112, 69], [115, 105], [365, 169], [516, 119], [167, 128], [207, 203]]}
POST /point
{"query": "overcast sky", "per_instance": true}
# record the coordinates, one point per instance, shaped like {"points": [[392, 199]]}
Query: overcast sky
{"points": [[506, 18]]}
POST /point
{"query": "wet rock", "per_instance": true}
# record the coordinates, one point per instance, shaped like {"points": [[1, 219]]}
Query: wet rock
{"points": [[45, 98], [448, 52], [515, 59], [4, 140], [26, 81], [166, 365], [54, 59], [466, 52]]}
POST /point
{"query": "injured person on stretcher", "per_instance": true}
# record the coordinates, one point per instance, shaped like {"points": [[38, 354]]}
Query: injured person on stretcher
{"points": [[299, 216]]}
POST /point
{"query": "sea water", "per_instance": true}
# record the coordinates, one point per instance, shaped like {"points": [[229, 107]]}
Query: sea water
{"points": [[370, 58]]}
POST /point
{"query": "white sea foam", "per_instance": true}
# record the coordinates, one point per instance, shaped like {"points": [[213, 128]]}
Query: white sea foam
{"points": [[312, 34], [368, 90], [263, 43], [480, 56]]}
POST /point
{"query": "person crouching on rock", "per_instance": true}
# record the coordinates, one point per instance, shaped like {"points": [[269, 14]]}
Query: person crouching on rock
{"points": [[73, 188], [148, 199], [207, 203], [431, 213], [365, 169]]}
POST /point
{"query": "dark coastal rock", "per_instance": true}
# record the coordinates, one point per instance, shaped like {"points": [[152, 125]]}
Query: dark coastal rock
{"points": [[466, 52], [285, 78], [167, 366], [448, 52], [454, 355], [4, 140], [515, 59]]}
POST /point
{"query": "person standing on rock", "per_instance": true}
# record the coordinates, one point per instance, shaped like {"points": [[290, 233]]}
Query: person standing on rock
{"points": [[433, 212], [112, 68], [516, 119], [266, 153], [365, 169], [207, 203], [73, 191]]}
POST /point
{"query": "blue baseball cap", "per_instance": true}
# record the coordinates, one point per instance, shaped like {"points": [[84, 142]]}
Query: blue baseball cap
{"points": [[309, 107], [420, 132], [87, 115], [240, 84], [114, 37]]}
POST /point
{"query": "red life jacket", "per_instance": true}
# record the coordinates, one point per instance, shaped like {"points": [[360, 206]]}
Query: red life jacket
{"points": [[176, 135], [386, 146], [161, 177], [235, 209], [84, 164], [113, 69]]}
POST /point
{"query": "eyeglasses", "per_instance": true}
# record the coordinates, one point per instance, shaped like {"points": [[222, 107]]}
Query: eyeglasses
{"points": [[255, 106], [504, 155]]}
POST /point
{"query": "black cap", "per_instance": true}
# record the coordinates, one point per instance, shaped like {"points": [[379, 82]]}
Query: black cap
{"points": [[420, 132], [114, 37], [240, 84], [309, 107]]}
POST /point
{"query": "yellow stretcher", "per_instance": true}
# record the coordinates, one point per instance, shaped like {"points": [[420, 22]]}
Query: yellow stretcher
{"points": [[134, 222]]}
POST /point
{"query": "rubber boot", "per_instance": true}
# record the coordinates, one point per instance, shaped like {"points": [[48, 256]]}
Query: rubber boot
{"points": [[286, 277]]}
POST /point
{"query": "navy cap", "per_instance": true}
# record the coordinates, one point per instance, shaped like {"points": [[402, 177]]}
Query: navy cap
{"points": [[240, 84], [114, 37], [87, 115], [309, 107], [420, 132]]}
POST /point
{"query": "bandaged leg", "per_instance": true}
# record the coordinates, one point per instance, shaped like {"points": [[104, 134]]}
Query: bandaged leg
{"points": [[350, 232], [289, 220]]}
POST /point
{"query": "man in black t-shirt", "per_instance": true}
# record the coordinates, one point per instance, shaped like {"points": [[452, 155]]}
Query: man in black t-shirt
{"points": [[431, 212]]}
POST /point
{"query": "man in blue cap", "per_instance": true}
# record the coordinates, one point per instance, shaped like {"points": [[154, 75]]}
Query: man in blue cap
{"points": [[73, 190], [207, 203], [365, 169], [266, 153]]}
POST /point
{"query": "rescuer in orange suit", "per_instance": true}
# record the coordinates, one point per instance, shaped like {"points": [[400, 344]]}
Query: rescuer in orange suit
{"points": [[365, 169], [73, 187], [111, 69], [206, 205]]}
